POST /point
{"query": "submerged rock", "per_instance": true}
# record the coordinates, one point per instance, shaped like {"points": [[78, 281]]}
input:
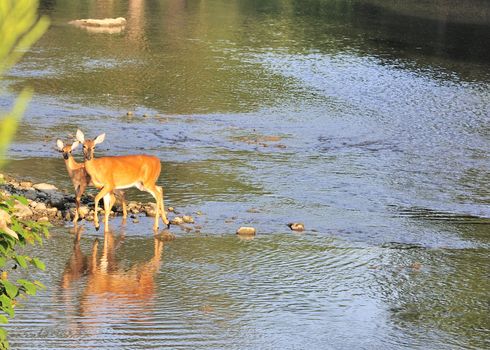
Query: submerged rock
{"points": [[246, 231]]}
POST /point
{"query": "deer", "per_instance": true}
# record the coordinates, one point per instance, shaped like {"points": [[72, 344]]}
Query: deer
{"points": [[122, 172], [80, 178]]}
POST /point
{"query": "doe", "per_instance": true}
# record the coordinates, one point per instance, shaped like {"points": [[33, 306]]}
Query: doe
{"points": [[121, 172], [80, 178]]}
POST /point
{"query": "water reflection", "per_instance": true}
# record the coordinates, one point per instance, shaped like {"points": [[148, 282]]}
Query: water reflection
{"points": [[112, 292]]}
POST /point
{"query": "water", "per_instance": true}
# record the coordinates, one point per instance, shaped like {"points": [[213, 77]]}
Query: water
{"points": [[366, 120]]}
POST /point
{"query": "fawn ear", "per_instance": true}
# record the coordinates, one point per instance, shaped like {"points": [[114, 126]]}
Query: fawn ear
{"points": [[99, 139], [80, 136], [60, 145], [74, 145]]}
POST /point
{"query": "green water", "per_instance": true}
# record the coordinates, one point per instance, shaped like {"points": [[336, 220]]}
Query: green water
{"points": [[367, 120]]}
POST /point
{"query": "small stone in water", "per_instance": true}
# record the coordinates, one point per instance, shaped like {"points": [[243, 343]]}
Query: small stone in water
{"points": [[171, 209], [136, 220], [177, 221], [296, 226], [188, 219], [248, 231]]}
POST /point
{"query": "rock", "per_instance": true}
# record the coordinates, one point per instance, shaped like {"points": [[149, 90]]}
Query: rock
{"points": [[188, 219], [83, 211], [166, 235], [43, 219], [67, 216], [246, 231], [22, 211], [136, 220], [253, 210], [57, 200], [52, 212], [177, 221], [89, 217], [199, 213], [39, 206], [297, 226], [129, 113], [44, 187], [106, 22], [171, 209], [26, 185], [150, 210]]}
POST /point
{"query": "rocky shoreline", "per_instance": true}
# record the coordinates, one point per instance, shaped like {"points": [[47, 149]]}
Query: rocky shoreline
{"points": [[47, 203]]}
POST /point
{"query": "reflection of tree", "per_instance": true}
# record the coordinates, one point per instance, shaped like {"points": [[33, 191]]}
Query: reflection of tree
{"points": [[136, 24]]}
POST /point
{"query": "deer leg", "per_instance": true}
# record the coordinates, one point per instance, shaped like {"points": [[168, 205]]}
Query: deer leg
{"points": [[120, 196], [98, 197], [109, 200], [78, 196], [162, 207], [152, 189]]}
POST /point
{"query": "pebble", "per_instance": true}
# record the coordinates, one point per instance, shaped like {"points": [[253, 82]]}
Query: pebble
{"points": [[43, 219], [177, 221], [188, 219], [136, 220], [247, 231], [297, 226]]}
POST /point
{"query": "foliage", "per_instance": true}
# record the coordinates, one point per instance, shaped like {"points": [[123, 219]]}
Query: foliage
{"points": [[29, 233], [20, 27]]}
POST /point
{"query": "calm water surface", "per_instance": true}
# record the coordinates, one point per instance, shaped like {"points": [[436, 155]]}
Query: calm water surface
{"points": [[367, 120]]}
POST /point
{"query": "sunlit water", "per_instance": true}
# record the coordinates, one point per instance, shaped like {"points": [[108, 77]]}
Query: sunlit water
{"points": [[365, 120]]}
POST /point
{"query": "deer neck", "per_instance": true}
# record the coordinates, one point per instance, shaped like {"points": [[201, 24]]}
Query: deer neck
{"points": [[71, 165]]}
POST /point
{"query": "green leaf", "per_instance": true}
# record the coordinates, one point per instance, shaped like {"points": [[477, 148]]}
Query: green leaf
{"points": [[10, 288], [3, 261], [4, 319], [39, 284], [21, 199], [21, 260], [30, 287], [7, 305], [39, 264]]}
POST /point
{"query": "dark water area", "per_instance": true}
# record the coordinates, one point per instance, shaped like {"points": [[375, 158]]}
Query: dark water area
{"points": [[367, 120]]}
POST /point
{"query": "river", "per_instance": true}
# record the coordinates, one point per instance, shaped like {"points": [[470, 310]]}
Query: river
{"points": [[367, 120]]}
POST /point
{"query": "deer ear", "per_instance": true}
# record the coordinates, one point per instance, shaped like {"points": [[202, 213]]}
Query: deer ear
{"points": [[74, 145], [80, 136], [99, 139], [60, 145]]}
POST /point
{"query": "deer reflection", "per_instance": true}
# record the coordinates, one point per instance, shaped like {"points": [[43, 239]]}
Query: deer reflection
{"points": [[112, 291]]}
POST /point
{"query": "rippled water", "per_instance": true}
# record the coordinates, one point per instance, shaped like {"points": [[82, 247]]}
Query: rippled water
{"points": [[366, 120]]}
